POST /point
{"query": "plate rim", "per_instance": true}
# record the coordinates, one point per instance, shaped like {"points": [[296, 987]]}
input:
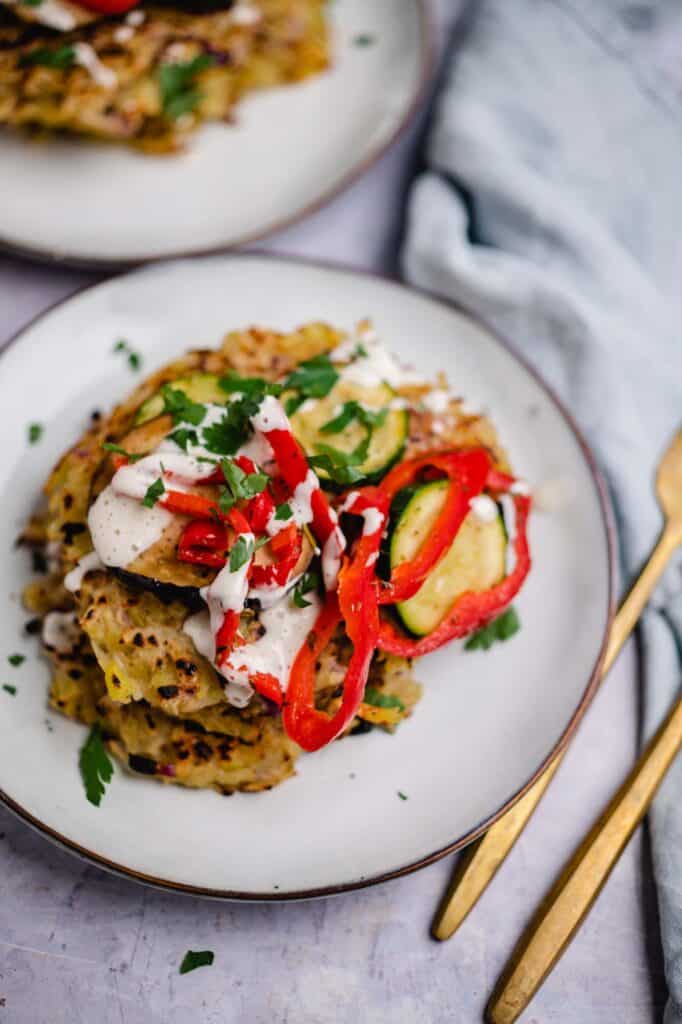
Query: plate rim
{"points": [[427, 68], [608, 522]]}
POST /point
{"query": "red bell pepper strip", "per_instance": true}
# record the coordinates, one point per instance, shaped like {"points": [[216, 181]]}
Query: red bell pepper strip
{"points": [[203, 542], [286, 546], [467, 472], [109, 6], [470, 611], [226, 636], [268, 686], [356, 604]]}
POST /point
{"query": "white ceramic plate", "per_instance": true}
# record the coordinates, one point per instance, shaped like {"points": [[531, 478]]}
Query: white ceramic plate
{"points": [[290, 150], [487, 722]]}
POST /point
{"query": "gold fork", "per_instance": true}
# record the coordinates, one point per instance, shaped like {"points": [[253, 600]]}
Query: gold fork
{"points": [[478, 865]]}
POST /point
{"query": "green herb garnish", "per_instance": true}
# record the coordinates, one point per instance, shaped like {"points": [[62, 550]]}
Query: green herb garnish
{"points": [[178, 85], [364, 40], [181, 408], [308, 581], [313, 378], [116, 448], [283, 511], [134, 358], [35, 432], [184, 437], [153, 493], [242, 485], [341, 466], [234, 382], [95, 766], [241, 552], [351, 411], [499, 629], [382, 700], [12, 690], [359, 351], [403, 796], [192, 960], [61, 58], [16, 659]]}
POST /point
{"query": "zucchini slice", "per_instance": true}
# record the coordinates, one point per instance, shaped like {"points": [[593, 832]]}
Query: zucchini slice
{"points": [[476, 559], [200, 387], [388, 439]]}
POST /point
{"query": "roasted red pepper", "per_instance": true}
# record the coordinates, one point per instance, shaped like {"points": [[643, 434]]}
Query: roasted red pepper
{"points": [[467, 472], [109, 6], [203, 542], [286, 546], [357, 605], [471, 611]]}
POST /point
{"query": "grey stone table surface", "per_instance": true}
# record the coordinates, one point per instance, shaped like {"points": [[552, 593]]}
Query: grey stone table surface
{"points": [[79, 946]]}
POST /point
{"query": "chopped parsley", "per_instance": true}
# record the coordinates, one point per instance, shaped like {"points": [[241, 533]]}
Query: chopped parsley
{"points": [[184, 437], [313, 378], [359, 351], [403, 796], [351, 411], [61, 58], [134, 358], [364, 40], [232, 382], [35, 432], [499, 629], [95, 766], [180, 407], [116, 448], [16, 660], [226, 436], [241, 552], [153, 493], [242, 485], [377, 699], [308, 581], [283, 511], [341, 467], [192, 960], [12, 690], [178, 85]]}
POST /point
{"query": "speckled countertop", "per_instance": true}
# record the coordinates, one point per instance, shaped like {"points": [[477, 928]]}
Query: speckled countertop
{"points": [[78, 946]]}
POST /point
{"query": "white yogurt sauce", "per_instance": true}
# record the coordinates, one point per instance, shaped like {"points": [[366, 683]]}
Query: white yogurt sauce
{"points": [[135, 18], [99, 72], [436, 401], [376, 367], [372, 517], [521, 487], [124, 33], [300, 501], [88, 563], [484, 508], [61, 632], [122, 528], [333, 548], [228, 591], [270, 416], [245, 15]]}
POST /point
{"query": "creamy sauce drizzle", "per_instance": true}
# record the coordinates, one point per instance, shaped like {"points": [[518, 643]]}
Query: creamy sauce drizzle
{"points": [[484, 508], [88, 563], [61, 632], [99, 72]]}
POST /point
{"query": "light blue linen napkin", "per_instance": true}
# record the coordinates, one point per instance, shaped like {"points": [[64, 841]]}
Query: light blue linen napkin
{"points": [[552, 204]]}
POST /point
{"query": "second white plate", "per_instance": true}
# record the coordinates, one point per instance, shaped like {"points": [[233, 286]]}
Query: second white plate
{"points": [[291, 149]]}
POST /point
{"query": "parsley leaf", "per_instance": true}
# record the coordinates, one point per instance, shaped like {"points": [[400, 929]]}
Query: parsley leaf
{"points": [[240, 553], [313, 378], [403, 796], [382, 700], [12, 690], [61, 58], [134, 358], [292, 403], [130, 456], [364, 40], [308, 581], [177, 84], [184, 437], [153, 493], [180, 407], [35, 432], [283, 511], [16, 660], [359, 351], [499, 629], [242, 485], [225, 500], [341, 466], [95, 766], [232, 382], [226, 436], [353, 410], [192, 960]]}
